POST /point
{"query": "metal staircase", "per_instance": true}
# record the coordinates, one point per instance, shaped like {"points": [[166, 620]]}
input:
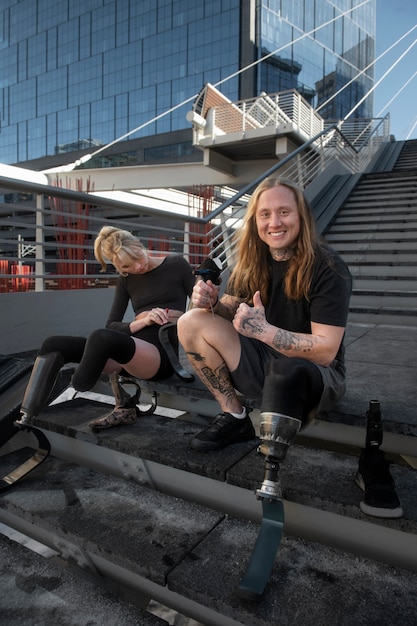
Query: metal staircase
{"points": [[376, 233]]}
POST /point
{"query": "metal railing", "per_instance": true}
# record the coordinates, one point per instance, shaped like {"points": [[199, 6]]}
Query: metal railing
{"points": [[280, 110], [47, 233]]}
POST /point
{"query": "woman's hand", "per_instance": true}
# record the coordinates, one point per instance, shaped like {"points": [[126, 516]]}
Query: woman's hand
{"points": [[158, 315], [205, 295]]}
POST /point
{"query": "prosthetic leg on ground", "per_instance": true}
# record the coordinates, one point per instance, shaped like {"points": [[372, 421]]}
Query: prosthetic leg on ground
{"points": [[373, 475], [39, 388], [277, 432], [126, 410]]}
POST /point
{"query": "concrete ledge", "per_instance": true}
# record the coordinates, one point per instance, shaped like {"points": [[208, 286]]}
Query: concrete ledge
{"points": [[198, 553], [309, 584], [35, 589]]}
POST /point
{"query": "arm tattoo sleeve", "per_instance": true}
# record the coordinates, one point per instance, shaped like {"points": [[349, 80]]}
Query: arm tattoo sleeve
{"points": [[226, 310], [285, 340]]}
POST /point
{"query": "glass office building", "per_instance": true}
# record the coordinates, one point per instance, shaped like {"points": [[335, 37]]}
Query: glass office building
{"points": [[77, 74]]}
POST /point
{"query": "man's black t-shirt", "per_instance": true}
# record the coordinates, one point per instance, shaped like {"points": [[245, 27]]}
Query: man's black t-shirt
{"points": [[329, 295]]}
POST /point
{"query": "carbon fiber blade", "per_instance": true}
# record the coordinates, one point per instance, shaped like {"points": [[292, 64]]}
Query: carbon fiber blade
{"points": [[36, 459], [256, 577]]}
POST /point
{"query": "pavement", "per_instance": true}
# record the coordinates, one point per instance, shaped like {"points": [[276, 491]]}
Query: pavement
{"points": [[381, 364]]}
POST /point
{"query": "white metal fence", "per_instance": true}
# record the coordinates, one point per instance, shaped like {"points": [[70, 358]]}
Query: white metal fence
{"points": [[46, 239]]}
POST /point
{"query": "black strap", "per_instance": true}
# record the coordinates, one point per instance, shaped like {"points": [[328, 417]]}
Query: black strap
{"points": [[255, 579], [44, 448], [164, 338]]}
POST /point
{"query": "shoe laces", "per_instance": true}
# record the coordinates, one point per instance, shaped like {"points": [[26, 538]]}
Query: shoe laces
{"points": [[221, 421]]}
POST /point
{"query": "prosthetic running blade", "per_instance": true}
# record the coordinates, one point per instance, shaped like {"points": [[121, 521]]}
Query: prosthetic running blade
{"points": [[44, 448], [256, 577]]}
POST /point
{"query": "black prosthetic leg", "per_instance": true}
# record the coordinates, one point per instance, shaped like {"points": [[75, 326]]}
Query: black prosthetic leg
{"points": [[41, 383], [277, 432], [126, 410], [373, 475]]}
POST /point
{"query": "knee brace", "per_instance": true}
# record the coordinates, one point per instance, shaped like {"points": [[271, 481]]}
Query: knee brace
{"points": [[102, 345]]}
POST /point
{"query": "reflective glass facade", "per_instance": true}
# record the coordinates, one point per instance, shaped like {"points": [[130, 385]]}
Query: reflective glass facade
{"points": [[320, 46], [77, 74]]}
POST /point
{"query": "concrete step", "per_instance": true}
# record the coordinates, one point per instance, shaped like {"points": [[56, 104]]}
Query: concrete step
{"points": [[369, 314], [323, 522], [406, 163], [376, 208], [391, 184], [395, 221], [372, 270], [172, 547], [396, 196], [387, 236], [376, 257], [39, 588], [372, 246], [380, 226], [386, 284], [378, 299], [387, 179]]}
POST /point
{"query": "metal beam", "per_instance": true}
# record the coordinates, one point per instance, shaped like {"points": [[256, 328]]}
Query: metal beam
{"points": [[174, 175]]}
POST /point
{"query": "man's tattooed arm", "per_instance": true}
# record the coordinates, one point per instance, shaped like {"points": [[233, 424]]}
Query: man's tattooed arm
{"points": [[286, 340], [227, 307], [252, 323]]}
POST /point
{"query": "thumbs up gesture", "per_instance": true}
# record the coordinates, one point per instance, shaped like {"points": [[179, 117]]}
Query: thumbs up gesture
{"points": [[250, 321]]}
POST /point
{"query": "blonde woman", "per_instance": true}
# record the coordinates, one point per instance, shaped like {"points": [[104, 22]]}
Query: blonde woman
{"points": [[157, 288]]}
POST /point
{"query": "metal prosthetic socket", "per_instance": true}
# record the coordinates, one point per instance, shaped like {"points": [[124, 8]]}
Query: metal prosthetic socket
{"points": [[41, 383], [277, 431]]}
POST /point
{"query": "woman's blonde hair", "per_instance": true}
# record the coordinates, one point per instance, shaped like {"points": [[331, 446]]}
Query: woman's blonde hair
{"points": [[252, 269], [117, 246]]}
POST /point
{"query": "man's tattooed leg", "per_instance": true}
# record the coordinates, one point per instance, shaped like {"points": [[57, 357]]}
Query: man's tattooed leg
{"points": [[217, 380]]}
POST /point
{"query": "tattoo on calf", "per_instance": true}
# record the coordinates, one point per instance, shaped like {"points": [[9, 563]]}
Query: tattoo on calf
{"points": [[217, 380]]}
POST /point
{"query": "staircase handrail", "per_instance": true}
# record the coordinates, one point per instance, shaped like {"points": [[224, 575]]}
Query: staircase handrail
{"points": [[193, 235]]}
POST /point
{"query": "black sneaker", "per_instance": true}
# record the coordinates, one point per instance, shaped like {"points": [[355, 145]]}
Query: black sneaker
{"points": [[223, 431], [374, 478]]}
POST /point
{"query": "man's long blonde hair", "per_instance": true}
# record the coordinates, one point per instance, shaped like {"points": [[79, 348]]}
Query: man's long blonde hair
{"points": [[252, 269], [117, 246]]}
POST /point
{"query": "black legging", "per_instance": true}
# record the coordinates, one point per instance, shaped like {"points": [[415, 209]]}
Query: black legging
{"points": [[292, 387], [92, 354]]}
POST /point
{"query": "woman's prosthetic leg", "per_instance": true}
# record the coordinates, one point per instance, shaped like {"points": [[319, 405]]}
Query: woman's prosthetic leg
{"points": [[125, 410], [54, 353], [41, 383]]}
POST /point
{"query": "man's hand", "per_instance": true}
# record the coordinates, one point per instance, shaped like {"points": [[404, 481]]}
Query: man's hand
{"points": [[250, 321], [205, 294]]}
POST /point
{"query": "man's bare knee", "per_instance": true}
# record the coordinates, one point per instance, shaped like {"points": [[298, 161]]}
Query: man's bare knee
{"points": [[188, 324]]}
